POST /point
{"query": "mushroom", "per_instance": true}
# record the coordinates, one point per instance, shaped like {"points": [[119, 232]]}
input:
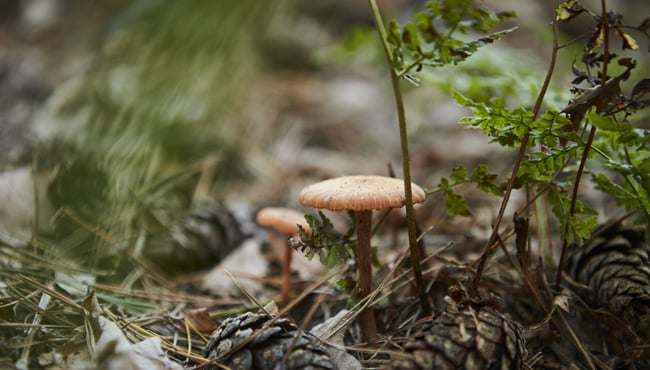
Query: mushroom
{"points": [[360, 194], [284, 221]]}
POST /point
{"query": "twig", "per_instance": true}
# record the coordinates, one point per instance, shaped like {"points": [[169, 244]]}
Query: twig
{"points": [[592, 133], [487, 251], [406, 162]]}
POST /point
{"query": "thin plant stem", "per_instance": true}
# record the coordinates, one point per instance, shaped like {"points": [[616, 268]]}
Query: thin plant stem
{"points": [[592, 133], [490, 246], [406, 160], [572, 209]]}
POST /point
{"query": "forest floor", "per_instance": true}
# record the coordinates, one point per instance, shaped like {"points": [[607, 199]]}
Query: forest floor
{"points": [[311, 110]]}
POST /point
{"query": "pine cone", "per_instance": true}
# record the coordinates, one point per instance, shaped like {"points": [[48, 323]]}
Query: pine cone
{"points": [[616, 267], [470, 339], [200, 240], [267, 348]]}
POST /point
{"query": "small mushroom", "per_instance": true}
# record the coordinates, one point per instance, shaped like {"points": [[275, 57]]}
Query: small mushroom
{"points": [[284, 221], [360, 194]]}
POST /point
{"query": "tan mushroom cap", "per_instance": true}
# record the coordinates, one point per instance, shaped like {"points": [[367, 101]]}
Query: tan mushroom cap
{"points": [[359, 193], [281, 219]]}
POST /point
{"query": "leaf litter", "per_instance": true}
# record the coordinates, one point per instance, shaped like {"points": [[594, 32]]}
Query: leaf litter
{"points": [[145, 316]]}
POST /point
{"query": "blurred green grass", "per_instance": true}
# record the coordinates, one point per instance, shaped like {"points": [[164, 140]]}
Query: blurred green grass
{"points": [[129, 136]]}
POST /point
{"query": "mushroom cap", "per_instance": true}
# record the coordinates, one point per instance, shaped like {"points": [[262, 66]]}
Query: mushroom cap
{"points": [[359, 193], [282, 219]]}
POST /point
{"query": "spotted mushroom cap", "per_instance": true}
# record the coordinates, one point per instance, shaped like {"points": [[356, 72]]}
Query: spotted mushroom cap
{"points": [[358, 193], [282, 219]]}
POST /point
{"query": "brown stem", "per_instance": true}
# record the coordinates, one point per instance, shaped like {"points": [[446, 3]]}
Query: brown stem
{"points": [[286, 288], [363, 220], [590, 140], [491, 246], [280, 249]]}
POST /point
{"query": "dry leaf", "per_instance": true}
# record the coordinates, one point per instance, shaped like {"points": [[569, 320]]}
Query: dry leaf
{"points": [[271, 308], [332, 332], [114, 352], [199, 319], [562, 300], [78, 360], [244, 263], [74, 283]]}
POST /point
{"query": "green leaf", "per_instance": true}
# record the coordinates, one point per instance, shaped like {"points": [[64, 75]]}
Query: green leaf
{"points": [[458, 174], [410, 37], [486, 181], [345, 284], [463, 52], [461, 99], [623, 196], [456, 205], [426, 28], [429, 39], [576, 227], [393, 34], [581, 230], [602, 122]]}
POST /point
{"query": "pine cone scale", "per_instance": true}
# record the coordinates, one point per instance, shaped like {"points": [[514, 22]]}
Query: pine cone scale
{"points": [[264, 345], [467, 339], [616, 268]]}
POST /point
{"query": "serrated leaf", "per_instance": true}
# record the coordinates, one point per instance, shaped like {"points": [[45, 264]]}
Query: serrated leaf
{"points": [[584, 228], [393, 33], [444, 184], [456, 205], [620, 167], [410, 37], [458, 174], [485, 180], [622, 195], [425, 25], [429, 38], [457, 54]]}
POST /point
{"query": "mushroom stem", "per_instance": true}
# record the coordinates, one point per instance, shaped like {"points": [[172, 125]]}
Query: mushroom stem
{"points": [[287, 286], [282, 251], [284, 221], [363, 220]]}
